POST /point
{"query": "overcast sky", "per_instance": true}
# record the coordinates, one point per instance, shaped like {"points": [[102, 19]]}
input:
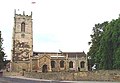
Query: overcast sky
{"points": [[58, 24]]}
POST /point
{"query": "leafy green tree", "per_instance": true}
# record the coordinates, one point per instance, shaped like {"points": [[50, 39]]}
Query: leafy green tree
{"points": [[105, 45], [116, 43], [2, 54], [110, 44], [98, 30]]}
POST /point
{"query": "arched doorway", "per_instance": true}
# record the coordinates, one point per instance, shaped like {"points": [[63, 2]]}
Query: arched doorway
{"points": [[44, 68]]}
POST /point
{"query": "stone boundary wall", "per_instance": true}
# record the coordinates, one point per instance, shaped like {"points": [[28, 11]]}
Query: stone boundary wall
{"points": [[51, 76], [12, 73], [101, 75]]}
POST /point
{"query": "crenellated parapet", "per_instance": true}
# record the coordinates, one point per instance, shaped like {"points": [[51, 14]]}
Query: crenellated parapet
{"points": [[26, 15]]}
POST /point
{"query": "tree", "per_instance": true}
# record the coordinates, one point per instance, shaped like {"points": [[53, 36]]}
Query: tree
{"points": [[105, 45], [98, 30], [110, 46], [2, 54]]}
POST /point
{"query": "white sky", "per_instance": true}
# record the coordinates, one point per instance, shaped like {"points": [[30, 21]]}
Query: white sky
{"points": [[58, 24]]}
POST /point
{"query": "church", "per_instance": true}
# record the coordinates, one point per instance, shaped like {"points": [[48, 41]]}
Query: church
{"points": [[24, 58]]}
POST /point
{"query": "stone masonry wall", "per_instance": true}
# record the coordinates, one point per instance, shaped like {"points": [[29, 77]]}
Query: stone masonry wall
{"points": [[51, 76], [102, 75]]}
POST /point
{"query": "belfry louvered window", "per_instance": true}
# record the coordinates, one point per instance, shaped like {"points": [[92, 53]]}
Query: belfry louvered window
{"points": [[22, 27]]}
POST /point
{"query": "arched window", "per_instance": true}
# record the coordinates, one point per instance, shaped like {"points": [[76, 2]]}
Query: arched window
{"points": [[52, 64], [82, 64], [62, 64], [22, 27], [70, 64]]}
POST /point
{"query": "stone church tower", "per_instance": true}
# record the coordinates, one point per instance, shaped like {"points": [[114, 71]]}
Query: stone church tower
{"points": [[22, 47]]}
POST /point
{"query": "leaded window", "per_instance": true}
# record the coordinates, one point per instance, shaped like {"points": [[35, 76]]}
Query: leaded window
{"points": [[82, 64], [52, 64], [62, 64], [70, 64]]}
